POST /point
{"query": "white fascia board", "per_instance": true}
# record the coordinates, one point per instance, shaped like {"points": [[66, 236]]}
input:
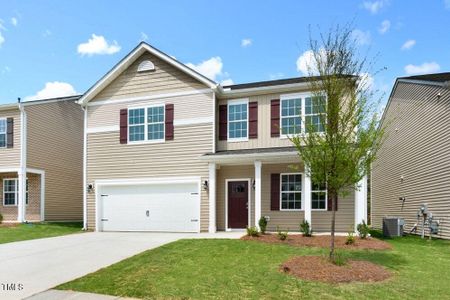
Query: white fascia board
{"points": [[262, 90]]}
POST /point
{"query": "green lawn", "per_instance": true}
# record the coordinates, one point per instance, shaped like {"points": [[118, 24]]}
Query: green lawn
{"points": [[234, 269], [37, 231]]}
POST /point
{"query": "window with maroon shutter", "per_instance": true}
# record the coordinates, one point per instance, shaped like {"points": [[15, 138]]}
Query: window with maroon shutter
{"points": [[223, 117], [9, 132], [253, 120], [274, 191], [123, 126], [275, 118], [169, 122]]}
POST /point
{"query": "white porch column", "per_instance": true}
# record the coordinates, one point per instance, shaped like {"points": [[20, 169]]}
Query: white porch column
{"points": [[212, 197], [258, 166], [22, 173], [21, 191], [361, 202], [307, 196]]}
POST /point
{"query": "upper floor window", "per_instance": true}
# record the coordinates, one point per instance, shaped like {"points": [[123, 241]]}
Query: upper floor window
{"points": [[314, 114], [291, 191], [300, 113], [238, 120], [146, 124], [2, 133], [291, 110]]}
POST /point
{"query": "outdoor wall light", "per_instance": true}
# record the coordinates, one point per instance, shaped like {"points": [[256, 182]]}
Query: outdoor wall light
{"points": [[205, 185], [90, 187]]}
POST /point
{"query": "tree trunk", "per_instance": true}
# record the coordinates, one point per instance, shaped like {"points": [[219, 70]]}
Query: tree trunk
{"points": [[334, 198]]}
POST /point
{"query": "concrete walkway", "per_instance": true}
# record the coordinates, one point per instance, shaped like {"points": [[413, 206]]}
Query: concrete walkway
{"points": [[71, 295], [38, 265]]}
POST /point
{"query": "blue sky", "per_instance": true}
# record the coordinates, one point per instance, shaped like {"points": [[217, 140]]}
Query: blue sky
{"points": [[52, 48]]}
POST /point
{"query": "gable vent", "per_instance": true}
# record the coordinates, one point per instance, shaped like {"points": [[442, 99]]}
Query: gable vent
{"points": [[146, 65]]}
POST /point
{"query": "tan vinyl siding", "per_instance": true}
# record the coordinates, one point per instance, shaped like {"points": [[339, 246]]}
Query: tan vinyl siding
{"points": [[185, 107], [264, 139], [55, 145], [108, 159], [286, 220], [417, 147], [10, 157], [165, 79]]}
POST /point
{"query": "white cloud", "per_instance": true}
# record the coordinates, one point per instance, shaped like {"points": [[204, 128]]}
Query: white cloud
{"points": [[425, 68], [144, 37], [53, 90], [2, 27], [361, 37], [2, 39], [227, 82], [374, 6], [385, 26], [98, 45], [366, 82], [211, 68], [14, 21], [306, 63], [246, 43], [6, 69], [408, 44]]}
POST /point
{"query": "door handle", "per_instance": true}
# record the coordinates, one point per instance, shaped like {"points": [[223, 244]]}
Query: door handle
{"points": [[147, 213]]}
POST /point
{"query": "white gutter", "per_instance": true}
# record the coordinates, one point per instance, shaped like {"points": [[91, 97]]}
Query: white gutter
{"points": [[262, 89], [214, 123], [85, 168]]}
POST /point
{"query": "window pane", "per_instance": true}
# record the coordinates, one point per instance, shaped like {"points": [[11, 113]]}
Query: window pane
{"points": [[2, 126], [237, 117], [2, 140], [137, 133], [136, 116], [156, 131]]}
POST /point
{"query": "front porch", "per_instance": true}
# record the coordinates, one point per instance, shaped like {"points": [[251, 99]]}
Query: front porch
{"points": [[18, 206], [244, 185]]}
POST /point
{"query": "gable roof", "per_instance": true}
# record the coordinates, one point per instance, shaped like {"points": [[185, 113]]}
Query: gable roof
{"points": [[123, 64], [437, 77], [16, 105]]}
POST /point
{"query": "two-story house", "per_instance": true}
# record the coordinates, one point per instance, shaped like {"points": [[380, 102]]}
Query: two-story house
{"points": [[167, 149], [40, 160]]}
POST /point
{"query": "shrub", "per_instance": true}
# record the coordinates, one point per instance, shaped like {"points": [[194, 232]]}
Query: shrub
{"points": [[363, 230], [305, 228], [262, 224], [339, 259], [282, 235], [252, 231], [1, 218], [350, 238]]}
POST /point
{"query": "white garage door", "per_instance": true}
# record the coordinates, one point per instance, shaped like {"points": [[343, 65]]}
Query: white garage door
{"points": [[152, 207]]}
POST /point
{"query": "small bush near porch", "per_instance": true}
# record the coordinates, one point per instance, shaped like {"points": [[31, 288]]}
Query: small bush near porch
{"points": [[239, 269], [21, 232]]}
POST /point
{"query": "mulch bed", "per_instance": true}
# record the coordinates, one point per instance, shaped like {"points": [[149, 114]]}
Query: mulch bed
{"points": [[322, 241], [317, 268], [9, 224]]}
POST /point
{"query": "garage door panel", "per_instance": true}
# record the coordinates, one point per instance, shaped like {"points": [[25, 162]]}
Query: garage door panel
{"points": [[174, 207]]}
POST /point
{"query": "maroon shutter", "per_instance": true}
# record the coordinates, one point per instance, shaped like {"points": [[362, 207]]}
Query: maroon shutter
{"points": [[124, 126], [274, 191], [9, 132], [223, 118], [253, 120], [275, 118], [169, 122]]}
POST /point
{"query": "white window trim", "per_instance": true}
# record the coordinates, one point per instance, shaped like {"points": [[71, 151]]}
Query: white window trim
{"points": [[326, 199], [146, 140], [236, 102], [16, 192], [5, 133], [302, 96], [301, 192]]}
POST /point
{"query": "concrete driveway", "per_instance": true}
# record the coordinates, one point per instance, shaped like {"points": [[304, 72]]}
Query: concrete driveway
{"points": [[38, 265]]}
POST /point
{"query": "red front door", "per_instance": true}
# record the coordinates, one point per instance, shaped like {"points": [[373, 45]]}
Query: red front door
{"points": [[237, 204]]}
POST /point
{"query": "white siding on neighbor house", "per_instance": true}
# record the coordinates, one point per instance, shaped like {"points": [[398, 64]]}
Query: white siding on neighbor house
{"points": [[10, 157], [417, 149]]}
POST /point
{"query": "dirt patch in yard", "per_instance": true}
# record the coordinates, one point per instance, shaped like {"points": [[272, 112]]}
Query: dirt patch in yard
{"points": [[322, 241], [317, 268], [9, 224]]}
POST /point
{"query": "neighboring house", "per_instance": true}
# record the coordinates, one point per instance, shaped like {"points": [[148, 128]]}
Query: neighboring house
{"points": [[169, 150], [40, 160], [413, 165]]}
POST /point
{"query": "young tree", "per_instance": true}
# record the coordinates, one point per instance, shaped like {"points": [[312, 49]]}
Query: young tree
{"points": [[342, 139]]}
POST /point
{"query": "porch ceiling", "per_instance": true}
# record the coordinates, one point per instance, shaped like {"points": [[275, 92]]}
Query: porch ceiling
{"points": [[273, 155]]}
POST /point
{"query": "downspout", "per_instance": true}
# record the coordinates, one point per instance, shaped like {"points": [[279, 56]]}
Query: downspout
{"points": [[85, 227], [22, 174]]}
